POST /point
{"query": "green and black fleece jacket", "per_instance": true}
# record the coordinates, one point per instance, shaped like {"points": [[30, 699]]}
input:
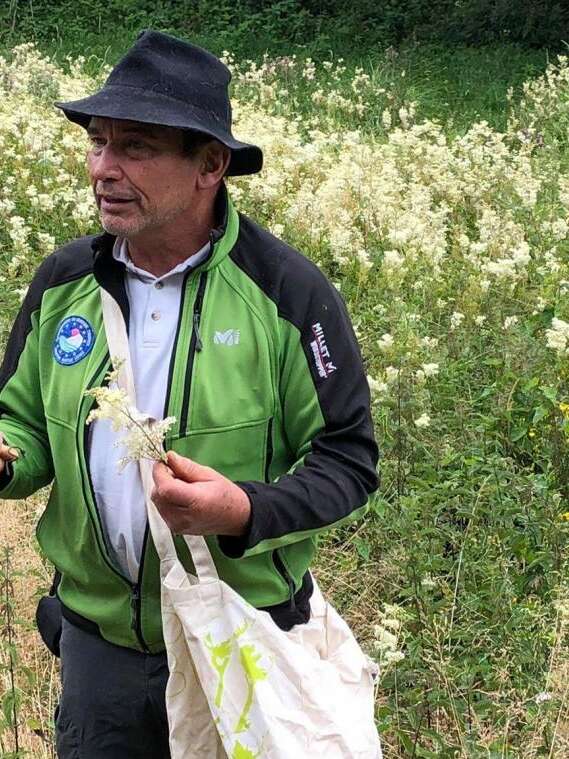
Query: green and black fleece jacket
{"points": [[267, 386]]}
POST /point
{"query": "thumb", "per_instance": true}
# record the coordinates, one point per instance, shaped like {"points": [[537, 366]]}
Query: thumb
{"points": [[186, 469]]}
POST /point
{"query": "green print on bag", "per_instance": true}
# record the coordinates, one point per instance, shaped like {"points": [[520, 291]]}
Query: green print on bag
{"points": [[220, 657], [249, 657], [242, 752]]}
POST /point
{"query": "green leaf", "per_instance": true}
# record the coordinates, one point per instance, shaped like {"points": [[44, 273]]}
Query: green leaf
{"points": [[518, 433], [363, 548], [531, 384], [550, 393], [540, 413]]}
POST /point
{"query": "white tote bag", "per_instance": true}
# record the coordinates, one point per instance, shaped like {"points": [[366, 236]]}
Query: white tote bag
{"points": [[240, 687]]}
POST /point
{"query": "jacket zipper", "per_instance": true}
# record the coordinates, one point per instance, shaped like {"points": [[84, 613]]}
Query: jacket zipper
{"points": [[196, 344], [269, 450], [175, 346], [285, 574], [134, 587], [136, 597]]}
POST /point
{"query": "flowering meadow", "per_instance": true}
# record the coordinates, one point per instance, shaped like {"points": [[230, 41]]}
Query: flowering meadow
{"points": [[452, 253]]}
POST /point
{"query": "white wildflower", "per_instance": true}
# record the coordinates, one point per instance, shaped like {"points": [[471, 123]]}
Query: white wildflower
{"points": [[144, 438], [429, 342], [391, 374], [393, 657], [423, 421], [430, 370], [384, 639], [558, 336], [376, 388], [392, 260], [428, 583], [456, 320], [509, 321], [385, 342]]}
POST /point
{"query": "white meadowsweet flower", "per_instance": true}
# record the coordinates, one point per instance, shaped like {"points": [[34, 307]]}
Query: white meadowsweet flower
{"points": [[376, 388], [393, 657], [430, 370], [543, 696], [429, 342], [428, 583], [144, 436], [479, 321], [391, 374], [393, 260], [385, 342], [392, 623], [384, 639], [21, 292], [423, 421], [456, 320], [558, 336], [509, 321]]}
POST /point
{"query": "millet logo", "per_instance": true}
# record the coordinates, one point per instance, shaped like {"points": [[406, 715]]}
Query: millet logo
{"points": [[322, 358], [229, 337]]}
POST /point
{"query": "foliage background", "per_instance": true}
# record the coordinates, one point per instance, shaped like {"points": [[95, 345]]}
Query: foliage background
{"points": [[276, 24]]}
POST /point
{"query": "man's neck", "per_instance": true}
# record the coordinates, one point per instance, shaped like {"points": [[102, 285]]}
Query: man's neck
{"points": [[158, 256], [160, 250]]}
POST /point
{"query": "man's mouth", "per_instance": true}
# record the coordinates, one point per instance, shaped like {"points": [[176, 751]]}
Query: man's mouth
{"points": [[114, 202]]}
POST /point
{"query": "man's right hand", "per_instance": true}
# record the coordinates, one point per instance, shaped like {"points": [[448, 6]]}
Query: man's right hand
{"points": [[7, 453]]}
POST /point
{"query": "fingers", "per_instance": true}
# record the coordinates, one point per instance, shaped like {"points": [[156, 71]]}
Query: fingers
{"points": [[170, 491], [7, 453], [188, 470]]}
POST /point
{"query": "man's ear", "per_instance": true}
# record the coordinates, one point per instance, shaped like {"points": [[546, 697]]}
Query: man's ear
{"points": [[215, 159]]}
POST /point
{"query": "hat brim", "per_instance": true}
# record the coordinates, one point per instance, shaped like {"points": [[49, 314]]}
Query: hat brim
{"points": [[133, 104]]}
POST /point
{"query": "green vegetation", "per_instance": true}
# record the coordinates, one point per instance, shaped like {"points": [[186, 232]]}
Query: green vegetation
{"points": [[277, 24]]}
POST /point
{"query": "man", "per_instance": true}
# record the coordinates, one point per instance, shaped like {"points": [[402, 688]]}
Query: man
{"points": [[231, 331]]}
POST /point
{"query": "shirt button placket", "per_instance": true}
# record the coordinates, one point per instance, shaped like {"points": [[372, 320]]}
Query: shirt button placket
{"points": [[154, 314]]}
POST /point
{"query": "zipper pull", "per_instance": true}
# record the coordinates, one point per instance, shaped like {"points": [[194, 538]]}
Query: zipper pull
{"points": [[199, 344], [134, 606], [292, 599]]}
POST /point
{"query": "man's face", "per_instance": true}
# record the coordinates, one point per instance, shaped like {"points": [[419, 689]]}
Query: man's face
{"points": [[141, 179]]}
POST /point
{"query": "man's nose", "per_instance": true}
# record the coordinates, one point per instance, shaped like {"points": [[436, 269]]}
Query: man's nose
{"points": [[104, 164]]}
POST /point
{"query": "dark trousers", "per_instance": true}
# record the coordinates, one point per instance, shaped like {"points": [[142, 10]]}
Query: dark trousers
{"points": [[112, 703]]}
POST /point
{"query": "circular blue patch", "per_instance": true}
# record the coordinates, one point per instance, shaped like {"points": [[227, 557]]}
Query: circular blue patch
{"points": [[73, 341]]}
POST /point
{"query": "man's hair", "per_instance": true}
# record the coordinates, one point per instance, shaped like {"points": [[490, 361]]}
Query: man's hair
{"points": [[194, 141]]}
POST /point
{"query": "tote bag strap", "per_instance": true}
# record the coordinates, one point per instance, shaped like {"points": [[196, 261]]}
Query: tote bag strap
{"points": [[117, 340]]}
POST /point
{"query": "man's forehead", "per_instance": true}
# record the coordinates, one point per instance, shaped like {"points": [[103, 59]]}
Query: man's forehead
{"points": [[99, 124]]}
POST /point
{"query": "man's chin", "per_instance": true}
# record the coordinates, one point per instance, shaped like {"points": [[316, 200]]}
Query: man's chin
{"points": [[118, 227]]}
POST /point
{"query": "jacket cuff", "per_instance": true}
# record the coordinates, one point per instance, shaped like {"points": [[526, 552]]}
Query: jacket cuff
{"points": [[234, 546]]}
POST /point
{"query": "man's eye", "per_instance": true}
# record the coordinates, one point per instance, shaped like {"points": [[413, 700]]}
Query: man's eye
{"points": [[137, 146], [97, 142]]}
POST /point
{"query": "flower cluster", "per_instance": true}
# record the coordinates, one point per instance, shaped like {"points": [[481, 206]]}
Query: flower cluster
{"points": [[144, 436], [387, 635]]}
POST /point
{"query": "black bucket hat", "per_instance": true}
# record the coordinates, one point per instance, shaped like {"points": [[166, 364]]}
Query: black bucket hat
{"points": [[162, 80]]}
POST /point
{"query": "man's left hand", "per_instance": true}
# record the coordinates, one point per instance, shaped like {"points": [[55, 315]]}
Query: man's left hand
{"points": [[197, 500]]}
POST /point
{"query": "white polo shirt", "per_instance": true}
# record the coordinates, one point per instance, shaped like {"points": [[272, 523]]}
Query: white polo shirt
{"points": [[154, 307]]}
